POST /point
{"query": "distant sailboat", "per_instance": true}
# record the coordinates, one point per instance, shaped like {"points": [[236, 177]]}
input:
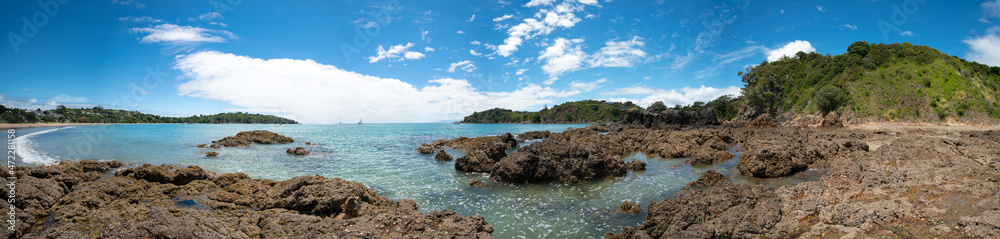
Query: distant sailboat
{"points": [[341, 121], [359, 122]]}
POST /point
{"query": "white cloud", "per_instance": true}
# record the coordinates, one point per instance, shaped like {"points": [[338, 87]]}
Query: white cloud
{"points": [[543, 23], [467, 66], [396, 53], [475, 43], [619, 54], [588, 86], [820, 8], [423, 35], [63, 98], [906, 33], [562, 56], [428, 49], [412, 55], [140, 19], [474, 53], [206, 17], [174, 34], [521, 71], [504, 17], [789, 50], [992, 8], [460, 32], [566, 55], [985, 49], [473, 18], [848, 26], [311, 92], [683, 96]]}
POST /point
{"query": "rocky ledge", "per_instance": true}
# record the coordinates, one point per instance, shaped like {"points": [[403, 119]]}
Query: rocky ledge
{"points": [[82, 200], [245, 138]]}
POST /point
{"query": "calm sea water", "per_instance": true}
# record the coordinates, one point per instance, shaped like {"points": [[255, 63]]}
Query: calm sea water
{"points": [[384, 158]]}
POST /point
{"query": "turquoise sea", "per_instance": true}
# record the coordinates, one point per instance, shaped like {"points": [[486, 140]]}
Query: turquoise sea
{"points": [[384, 158]]}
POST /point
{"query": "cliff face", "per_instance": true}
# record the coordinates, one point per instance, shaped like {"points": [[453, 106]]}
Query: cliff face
{"points": [[651, 119]]}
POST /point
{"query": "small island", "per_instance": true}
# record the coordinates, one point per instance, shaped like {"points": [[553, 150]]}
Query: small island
{"points": [[100, 115]]}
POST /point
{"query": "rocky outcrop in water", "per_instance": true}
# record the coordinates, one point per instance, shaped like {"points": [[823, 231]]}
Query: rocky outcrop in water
{"points": [[629, 208], [562, 162], [533, 135], [245, 138], [473, 183], [442, 156], [212, 154], [71, 200], [636, 165], [297, 151], [466, 144]]}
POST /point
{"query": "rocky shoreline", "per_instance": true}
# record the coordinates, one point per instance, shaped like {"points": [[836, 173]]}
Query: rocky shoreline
{"points": [[90, 199], [879, 183]]}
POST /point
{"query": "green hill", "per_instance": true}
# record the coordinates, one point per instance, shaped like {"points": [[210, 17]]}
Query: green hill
{"points": [[569, 112], [101, 115], [897, 82]]}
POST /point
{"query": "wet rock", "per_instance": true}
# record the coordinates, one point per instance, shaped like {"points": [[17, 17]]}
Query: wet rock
{"points": [[202, 146], [309, 143], [706, 156], [466, 144], [708, 179], [562, 162], [629, 208], [212, 154], [245, 138], [215, 146], [425, 149], [831, 120], [473, 183], [442, 156], [533, 135], [297, 151], [636, 165], [162, 174], [483, 158]]}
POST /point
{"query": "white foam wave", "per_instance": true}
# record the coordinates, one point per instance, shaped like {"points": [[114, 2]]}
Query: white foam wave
{"points": [[26, 149]]}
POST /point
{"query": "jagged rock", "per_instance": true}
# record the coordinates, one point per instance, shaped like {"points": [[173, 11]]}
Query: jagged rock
{"points": [[245, 138], [562, 162], [482, 159], [629, 208], [473, 183], [831, 120], [309, 143], [636, 165], [215, 146], [533, 135], [668, 118], [466, 144], [425, 149], [202, 146], [707, 156], [761, 122], [297, 151], [442, 156], [708, 179], [212, 154], [127, 205], [162, 174]]}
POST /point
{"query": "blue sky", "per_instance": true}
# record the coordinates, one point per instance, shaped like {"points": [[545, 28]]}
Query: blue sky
{"points": [[426, 61]]}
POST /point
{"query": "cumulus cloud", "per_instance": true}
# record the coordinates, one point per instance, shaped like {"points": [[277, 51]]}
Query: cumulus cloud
{"points": [[992, 8], [396, 53], [174, 34], [467, 66], [985, 49], [789, 50], [683, 96], [311, 92], [566, 55], [543, 23]]}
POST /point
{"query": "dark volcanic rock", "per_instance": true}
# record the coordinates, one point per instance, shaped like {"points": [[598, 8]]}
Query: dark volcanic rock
{"points": [[770, 163], [297, 151], [466, 144], [708, 179], [442, 156], [215, 146], [212, 154], [831, 120], [668, 118], [482, 159], [562, 162], [533, 135], [629, 208], [202, 146], [245, 138], [128, 205], [782, 152], [473, 183], [708, 156], [726, 210], [636, 165], [762, 121]]}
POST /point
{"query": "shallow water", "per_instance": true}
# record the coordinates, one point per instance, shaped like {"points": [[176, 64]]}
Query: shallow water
{"points": [[384, 158]]}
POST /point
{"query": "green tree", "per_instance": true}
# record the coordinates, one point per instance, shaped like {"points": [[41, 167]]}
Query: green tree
{"points": [[859, 48], [829, 97]]}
